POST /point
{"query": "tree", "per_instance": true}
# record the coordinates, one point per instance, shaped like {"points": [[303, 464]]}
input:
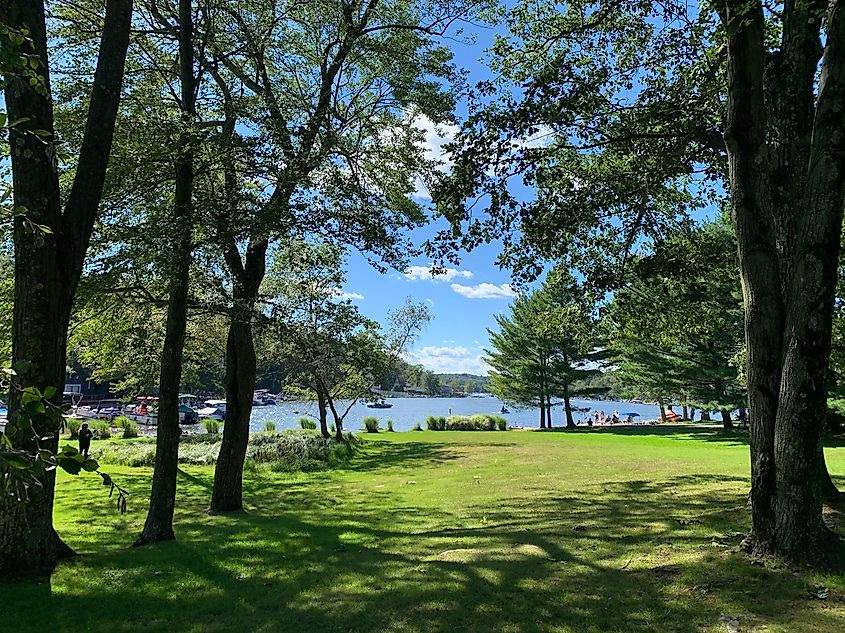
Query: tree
{"points": [[546, 349], [48, 262], [639, 107], [677, 326], [335, 111], [158, 525]]}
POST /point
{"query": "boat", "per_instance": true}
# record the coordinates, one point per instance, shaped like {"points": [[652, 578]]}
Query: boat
{"points": [[504, 409], [213, 409], [379, 404]]}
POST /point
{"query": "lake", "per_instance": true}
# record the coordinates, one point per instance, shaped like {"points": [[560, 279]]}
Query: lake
{"points": [[406, 412]]}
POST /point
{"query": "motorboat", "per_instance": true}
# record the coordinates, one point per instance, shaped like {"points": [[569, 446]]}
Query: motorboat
{"points": [[379, 404], [504, 409], [213, 409]]}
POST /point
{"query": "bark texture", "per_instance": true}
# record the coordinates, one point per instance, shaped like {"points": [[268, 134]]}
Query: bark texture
{"points": [[227, 494], [48, 266], [159, 522], [786, 152]]}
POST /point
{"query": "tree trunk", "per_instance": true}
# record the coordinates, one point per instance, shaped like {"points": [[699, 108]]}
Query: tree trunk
{"points": [[692, 414], [705, 416], [662, 410], [159, 523], [685, 412], [570, 422], [227, 493], [727, 423], [48, 266], [324, 421], [542, 412], [549, 412], [785, 137]]}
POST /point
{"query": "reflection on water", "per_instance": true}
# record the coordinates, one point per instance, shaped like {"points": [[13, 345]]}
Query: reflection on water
{"points": [[406, 412]]}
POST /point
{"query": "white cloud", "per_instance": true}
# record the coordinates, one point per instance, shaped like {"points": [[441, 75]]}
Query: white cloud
{"points": [[344, 295], [485, 291], [434, 138], [451, 360], [416, 273]]}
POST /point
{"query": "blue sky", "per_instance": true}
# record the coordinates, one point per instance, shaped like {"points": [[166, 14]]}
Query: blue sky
{"points": [[465, 300]]}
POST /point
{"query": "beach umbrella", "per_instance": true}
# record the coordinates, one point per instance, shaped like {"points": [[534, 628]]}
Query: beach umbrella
{"points": [[632, 415]]}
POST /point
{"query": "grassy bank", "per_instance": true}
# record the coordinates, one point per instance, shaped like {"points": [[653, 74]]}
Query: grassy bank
{"points": [[609, 530]]}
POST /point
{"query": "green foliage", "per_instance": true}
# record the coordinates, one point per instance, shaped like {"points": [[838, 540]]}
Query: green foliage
{"points": [[371, 424], [280, 451], [73, 425], [100, 428], [677, 328], [547, 347], [270, 427], [130, 429], [24, 460], [390, 426], [478, 422], [435, 423], [417, 427], [211, 425], [307, 423]]}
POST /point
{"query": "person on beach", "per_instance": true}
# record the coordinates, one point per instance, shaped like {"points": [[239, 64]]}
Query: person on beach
{"points": [[615, 418], [85, 436]]}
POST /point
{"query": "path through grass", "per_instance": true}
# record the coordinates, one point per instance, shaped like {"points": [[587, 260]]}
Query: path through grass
{"points": [[424, 531]]}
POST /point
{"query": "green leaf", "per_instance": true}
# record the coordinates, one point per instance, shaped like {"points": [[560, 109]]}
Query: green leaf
{"points": [[70, 465], [90, 465], [49, 392], [69, 450]]}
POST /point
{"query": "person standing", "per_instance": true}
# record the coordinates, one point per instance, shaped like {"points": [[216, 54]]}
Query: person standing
{"points": [[85, 436]]}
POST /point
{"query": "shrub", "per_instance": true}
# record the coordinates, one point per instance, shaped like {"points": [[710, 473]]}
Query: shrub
{"points": [[120, 422], [284, 451], [478, 422], [371, 424], [307, 424], [73, 425], [417, 427], [130, 429], [100, 428], [211, 425], [435, 423], [390, 426], [269, 426]]}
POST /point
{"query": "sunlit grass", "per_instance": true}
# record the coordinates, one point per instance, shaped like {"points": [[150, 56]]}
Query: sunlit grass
{"points": [[434, 531]]}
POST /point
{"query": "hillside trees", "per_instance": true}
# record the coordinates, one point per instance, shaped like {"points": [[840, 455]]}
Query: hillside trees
{"points": [[622, 117]]}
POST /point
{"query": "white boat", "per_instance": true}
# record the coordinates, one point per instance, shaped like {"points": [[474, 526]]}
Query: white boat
{"points": [[214, 409]]}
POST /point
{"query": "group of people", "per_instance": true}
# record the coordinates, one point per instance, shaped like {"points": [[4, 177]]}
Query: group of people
{"points": [[600, 418]]}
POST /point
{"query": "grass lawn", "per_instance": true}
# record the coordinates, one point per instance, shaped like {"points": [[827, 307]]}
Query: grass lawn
{"points": [[425, 531]]}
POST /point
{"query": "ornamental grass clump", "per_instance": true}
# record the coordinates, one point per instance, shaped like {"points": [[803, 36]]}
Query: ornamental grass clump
{"points": [[371, 424], [270, 427], [101, 429], [478, 422], [130, 429], [72, 425], [390, 426], [307, 424], [211, 425], [435, 423]]}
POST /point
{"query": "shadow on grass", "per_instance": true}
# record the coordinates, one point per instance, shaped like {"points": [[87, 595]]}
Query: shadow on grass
{"points": [[313, 555]]}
